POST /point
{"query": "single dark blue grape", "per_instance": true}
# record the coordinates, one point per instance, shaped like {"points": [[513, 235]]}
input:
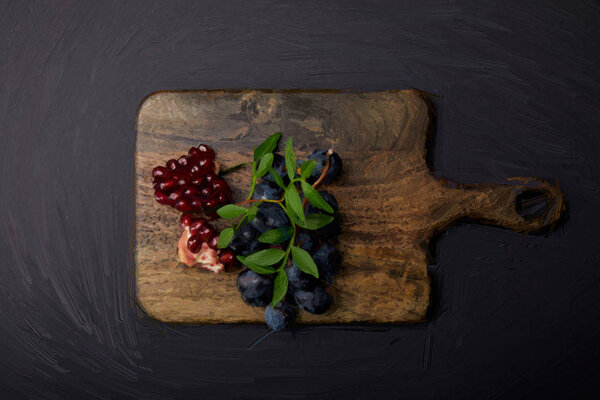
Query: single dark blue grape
{"points": [[267, 191], [306, 241], [244, 240], [327, 260], [294, 274], [325, 254], [253, 247], [280, 316], [270, 216], [242, 237], [335, 167], [246, 233], [279, 167], [330, 231], [314, 300], [328, 197], [255, 289], [298, 279]]}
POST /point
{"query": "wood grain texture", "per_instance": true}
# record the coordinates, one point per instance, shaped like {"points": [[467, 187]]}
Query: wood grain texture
{"points": [[390, 203]]}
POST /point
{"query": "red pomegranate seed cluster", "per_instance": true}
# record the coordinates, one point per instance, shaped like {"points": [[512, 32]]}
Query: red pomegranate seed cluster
{"points": [[202, 236], [190, 183]]}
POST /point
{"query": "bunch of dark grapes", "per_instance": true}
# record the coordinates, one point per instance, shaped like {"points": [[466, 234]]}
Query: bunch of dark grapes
{"points": [[190, 183], [304, 292]]}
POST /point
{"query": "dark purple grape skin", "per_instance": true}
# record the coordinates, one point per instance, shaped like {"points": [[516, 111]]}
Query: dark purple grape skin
{"points": [[327, 260], [266, 190], [280, 316], [270, 216], [314, 300], [244, 240], [335, 167], [329, 198], [255, 289], [279, 167], [307, 241]]}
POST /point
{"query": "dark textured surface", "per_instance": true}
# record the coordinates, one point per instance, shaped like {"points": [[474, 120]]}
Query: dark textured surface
{"points": [[518, 85]]}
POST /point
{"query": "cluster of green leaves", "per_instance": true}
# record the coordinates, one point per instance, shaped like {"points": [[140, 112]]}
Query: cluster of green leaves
{"points": [[274, 260]]}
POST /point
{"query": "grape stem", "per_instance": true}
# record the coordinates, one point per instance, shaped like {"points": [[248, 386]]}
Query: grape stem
{"points": [[321, 178], [256, 200]]}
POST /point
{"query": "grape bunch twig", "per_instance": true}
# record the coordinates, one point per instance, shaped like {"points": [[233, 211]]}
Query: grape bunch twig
{"points": [[285, 232]]}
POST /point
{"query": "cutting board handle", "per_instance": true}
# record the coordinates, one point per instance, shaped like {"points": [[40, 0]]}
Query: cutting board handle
{"points": [[522, 204]]}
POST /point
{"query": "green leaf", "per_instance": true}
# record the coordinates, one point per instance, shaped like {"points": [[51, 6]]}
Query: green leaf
{"points": [[225, 237], [265, 163], [231, 211], [280, 286], [290, 159], [304, 261], [276, 236], [266, 257], [307, 168], [315, 198], [277, 178], [267, 146], [315, 221], [256, 268], [252, 211], [293, 202]]}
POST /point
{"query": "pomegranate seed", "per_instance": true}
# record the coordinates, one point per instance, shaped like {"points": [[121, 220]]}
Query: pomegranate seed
{"points": [[210, 203], [198, 224], [195, 152], [183, 181], [194, 243], [210, 177], [227, 258], [207, 151], [160, 172], [206, 192], [219, 184], [222, 199], [171, 164], [182, 161], [183, 205], [161, 197], [196, 205], [168, 185], [206, 233], [189, 191], [212, 243], [185, 220], [176, 195]]}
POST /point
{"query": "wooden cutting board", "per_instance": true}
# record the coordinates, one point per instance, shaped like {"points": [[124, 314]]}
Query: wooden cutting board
{"points": [[390, 203]]}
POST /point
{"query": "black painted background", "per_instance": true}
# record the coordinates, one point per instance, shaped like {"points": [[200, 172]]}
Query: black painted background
{"points": [[518, 84]]}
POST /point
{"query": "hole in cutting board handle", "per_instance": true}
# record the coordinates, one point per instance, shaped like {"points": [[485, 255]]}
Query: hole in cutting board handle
{"points": [[531, 204]]}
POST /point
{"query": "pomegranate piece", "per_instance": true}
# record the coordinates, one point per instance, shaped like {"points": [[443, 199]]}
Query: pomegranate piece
{"points": [[205, 257]]}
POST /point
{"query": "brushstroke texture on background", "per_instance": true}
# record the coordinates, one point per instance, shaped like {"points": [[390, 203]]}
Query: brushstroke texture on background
{"points": [[519, 95]]}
